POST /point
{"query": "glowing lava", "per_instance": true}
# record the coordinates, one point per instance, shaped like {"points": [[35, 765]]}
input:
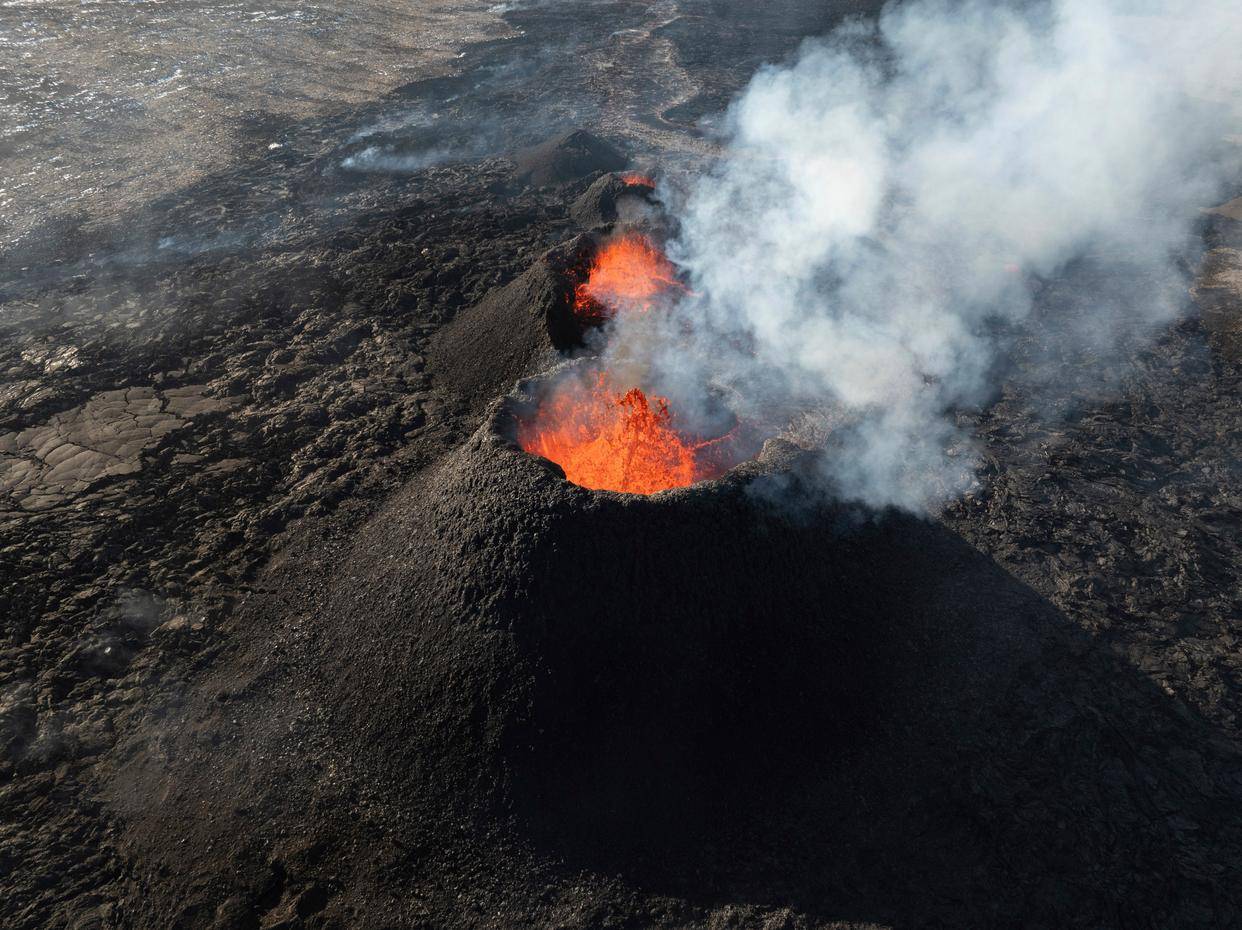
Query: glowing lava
{"points": [[628, 274], [613, 441]]}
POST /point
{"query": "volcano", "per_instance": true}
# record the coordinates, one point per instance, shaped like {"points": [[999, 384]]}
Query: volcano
{"points": [[603, 647], [446, 466], [580, 662]]}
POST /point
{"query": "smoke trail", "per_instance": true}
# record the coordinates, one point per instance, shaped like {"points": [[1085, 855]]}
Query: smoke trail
{"points": [[887, 197]]}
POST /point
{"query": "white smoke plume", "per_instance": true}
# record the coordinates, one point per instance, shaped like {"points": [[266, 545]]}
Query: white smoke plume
{"points": [[887, 197]]}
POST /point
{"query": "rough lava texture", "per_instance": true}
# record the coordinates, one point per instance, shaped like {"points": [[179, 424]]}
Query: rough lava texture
{"points": [[598, 205], [566, 158], [236, 548], [516, 331]]}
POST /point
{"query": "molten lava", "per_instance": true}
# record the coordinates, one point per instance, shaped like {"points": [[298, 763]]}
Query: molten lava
{"points": [[637, 179], [613, 441], [628, 274]]}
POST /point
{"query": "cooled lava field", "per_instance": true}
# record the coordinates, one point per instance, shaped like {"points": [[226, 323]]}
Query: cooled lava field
{"points": [[350, 578]]}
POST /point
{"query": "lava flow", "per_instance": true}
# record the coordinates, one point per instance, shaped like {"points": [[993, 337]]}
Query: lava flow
{"points": [[613, 441], [628, 274]]}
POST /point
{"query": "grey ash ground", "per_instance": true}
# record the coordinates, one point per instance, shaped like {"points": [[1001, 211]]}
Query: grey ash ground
{"points": [[238, 507]]}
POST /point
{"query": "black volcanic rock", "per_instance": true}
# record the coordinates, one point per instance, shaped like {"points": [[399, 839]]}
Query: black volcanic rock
{"points": [[597, 205], [516, 331], [566, 157], [574, 657]]}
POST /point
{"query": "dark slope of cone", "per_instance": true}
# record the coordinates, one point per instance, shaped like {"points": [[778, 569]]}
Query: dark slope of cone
{"points": [[516, 331], [524, 646], [598, 204], [566, 157]]}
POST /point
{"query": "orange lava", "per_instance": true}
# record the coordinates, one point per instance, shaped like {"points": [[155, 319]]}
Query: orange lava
{"points": [[628, 274], [637, 179], [612, 441]]}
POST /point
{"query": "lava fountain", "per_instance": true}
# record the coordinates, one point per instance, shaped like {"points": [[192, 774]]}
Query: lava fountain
{"points": [[611, 439], [637, 179], [628, 274]]}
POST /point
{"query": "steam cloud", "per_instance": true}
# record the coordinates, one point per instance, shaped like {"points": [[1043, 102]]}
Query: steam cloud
{"points": [[888, 196]]}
